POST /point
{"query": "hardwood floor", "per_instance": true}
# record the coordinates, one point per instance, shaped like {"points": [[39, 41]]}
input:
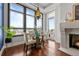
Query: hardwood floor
{"points": [[51, 49]]}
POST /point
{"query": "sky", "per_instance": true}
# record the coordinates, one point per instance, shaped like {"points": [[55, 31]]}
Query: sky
{"points": [[19, 17]]}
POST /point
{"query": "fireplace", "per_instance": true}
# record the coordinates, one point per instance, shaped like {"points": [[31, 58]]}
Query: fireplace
{"points": [[70, 38], [74, 41]]}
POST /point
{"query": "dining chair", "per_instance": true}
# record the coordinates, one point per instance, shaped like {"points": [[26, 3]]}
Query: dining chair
{"points": [[28, 40]]}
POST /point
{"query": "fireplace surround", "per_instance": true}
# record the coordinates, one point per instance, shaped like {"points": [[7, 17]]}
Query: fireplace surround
{"points": [[69, 30]]}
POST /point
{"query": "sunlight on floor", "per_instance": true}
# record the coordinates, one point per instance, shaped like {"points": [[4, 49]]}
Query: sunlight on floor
{"points": [[51, 48]]}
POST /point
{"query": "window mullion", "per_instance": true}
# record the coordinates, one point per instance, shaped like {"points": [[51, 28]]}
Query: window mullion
{"points": [[24, 23]]}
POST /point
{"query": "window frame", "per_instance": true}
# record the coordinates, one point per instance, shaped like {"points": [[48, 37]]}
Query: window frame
{"points": [[29, 16], [24, 17], [16, 12], [9, 10]]}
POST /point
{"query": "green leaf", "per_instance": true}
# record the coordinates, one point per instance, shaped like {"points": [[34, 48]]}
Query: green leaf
{"points": [[7, 30]]}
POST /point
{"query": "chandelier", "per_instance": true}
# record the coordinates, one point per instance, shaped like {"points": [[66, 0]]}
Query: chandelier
{"points": [[37, 13]]}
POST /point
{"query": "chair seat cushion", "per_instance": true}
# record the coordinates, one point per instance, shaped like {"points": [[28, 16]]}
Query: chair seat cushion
{"points": [[30, 42]]}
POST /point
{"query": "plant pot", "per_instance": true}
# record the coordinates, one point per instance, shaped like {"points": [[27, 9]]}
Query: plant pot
{"points": [[8, 40]]}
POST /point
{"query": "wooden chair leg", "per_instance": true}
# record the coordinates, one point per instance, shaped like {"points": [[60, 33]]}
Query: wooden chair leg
{"points": [[26, 49]]}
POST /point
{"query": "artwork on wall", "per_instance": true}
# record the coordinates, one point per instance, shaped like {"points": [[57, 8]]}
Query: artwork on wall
{"points": [[76, 12]]}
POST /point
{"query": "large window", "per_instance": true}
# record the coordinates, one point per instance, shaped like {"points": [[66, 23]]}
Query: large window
{"points": [[16, 18], [30, 19], [1, 32], [22, 19], [51, 21]]}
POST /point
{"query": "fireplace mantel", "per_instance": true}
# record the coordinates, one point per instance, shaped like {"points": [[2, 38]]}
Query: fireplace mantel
{"points": [[66, 28], [74, 24]]}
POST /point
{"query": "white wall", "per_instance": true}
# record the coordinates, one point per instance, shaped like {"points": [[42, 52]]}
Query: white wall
{"points": [[64, 9], [60, 13]]}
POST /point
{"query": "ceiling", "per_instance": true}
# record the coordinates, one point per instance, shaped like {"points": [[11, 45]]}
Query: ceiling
{"points": [[42, 5]]}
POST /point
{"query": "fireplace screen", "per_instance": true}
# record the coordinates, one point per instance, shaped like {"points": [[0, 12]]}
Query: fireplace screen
{"points": [[74, 40]]}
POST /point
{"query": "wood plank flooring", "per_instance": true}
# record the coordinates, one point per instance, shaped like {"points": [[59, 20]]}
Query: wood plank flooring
{"points": [[51, 49]]}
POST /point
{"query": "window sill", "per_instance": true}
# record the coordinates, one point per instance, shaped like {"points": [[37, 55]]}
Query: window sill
{"points": [[18, 35]]}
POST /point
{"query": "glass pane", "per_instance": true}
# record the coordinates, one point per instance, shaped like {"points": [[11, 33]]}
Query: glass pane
{"points": [[16, 19], [51, 23], [51, 20], [0, 14], [29, 22], [1, 39], [16, 7], [18, 31], [39, 23], [30, 12]]}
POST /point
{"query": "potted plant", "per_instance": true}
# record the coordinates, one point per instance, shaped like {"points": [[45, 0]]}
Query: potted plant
{"points": [[9, 34]]}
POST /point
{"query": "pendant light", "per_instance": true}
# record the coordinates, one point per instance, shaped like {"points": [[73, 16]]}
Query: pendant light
{"points": [[37, 13]]}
